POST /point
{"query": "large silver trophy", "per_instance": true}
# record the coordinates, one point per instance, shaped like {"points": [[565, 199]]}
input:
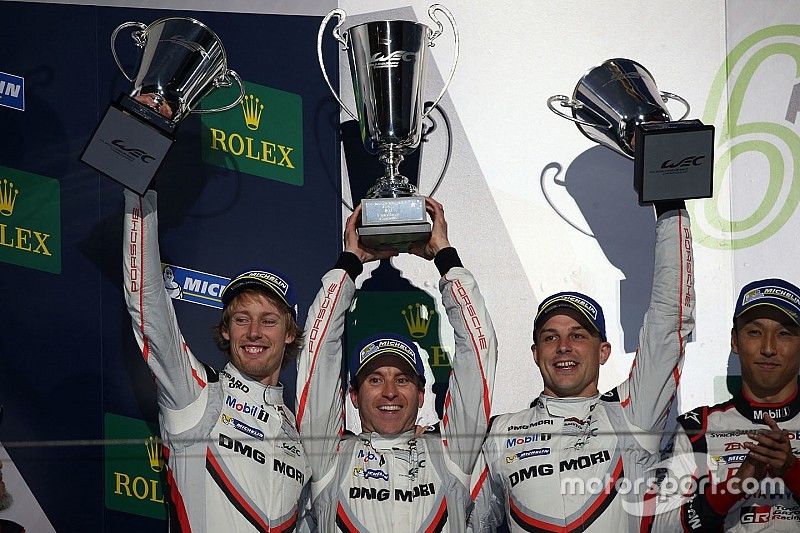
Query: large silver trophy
{"points": [[618, 105], [387, 62], [181, 61]]}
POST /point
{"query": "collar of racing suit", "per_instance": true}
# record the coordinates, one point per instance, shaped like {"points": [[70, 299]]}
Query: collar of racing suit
{"points": [[256, 391], [388, 442], [567, 407], [755, 411]]}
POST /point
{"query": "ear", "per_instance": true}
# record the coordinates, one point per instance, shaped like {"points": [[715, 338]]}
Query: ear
{"points": [[291, 329], [225, 333], [354, 397], [734, 342], [421, 397], [535, 354], [605, 352]]}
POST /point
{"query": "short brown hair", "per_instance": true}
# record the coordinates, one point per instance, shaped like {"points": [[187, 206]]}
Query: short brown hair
{"points": [[292, 349]]}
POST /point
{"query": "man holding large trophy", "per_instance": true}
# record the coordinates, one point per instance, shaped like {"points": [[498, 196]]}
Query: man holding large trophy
{"points": [[234, 461], [387, 62], [394, 476], [577, 459]]}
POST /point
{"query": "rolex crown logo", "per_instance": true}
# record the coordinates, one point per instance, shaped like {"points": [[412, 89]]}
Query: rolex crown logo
{"points": [[418, 319], [155, 453], [8, 196], [252, 108]]}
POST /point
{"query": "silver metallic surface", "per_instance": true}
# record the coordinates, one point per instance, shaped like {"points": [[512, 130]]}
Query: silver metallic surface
{"points": [[611, 99], [387, 63], [182, 60]]}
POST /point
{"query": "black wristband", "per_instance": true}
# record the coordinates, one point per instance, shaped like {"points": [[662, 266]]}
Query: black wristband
{"points": [[668, 205], [349, 262], [446, 259]]}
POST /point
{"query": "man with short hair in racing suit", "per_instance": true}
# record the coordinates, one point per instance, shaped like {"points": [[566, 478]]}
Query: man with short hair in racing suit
{"points": [[233, 454], [391, 478], [733, 467], [565, 463]]}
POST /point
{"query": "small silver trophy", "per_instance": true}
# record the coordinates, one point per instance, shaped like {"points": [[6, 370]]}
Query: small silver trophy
{"points": [[387, 62], [618, 105], [181, 61]]}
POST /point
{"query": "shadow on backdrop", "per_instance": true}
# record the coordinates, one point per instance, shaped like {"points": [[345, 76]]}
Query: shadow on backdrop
{"points": [[601, 183]]}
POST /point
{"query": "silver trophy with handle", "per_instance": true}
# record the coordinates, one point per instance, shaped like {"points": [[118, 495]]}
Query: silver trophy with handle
{"points": [[617, 104], [181, 60], [387, 62]]}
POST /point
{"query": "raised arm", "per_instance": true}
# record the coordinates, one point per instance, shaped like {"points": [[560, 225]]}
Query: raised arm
{"points": [[320, 414], [647, 394], [181, 378], [467, 406]]}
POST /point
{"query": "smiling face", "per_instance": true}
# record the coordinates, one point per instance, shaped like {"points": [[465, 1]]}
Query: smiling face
{"points": [[768, 344], [388, 397], [569, 354], [258, 333]]}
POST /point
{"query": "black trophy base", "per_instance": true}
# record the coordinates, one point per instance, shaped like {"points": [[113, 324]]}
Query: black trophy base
{"points": [[673, 161], [396, 236], [130, 144]]}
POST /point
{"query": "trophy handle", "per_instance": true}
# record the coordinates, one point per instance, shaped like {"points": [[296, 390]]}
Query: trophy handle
{"points": [[433, 35], [565, 101], [560, 182], [224, 81], [138, 37], [665, 97], [340, 15]]}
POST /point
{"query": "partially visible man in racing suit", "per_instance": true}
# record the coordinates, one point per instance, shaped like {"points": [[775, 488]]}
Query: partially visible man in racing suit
{"points": [[233, 454], [391, 478], [563, 464], [742, 466]]}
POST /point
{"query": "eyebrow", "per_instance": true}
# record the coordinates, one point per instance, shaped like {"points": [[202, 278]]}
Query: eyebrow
{"points": [[571, 329], [248, 313], [758, 322], [401, 373]]}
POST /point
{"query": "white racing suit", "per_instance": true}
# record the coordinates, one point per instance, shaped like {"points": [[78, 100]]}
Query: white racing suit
{"points": [[561, 465], [373, 483], [707, 450], [233, 454]]}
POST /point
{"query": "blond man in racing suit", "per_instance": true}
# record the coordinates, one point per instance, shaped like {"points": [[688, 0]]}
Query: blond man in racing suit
{"points": [[233, 454]]}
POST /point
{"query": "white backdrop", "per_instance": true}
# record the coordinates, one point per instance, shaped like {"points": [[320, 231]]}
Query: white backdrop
{"points": [[516, 54]]}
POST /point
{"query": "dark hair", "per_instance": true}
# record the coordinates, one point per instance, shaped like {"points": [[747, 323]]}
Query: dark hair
{"points": [[356, 382], [292, 349]]}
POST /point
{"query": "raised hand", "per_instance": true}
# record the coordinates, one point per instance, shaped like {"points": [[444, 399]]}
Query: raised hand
{"points": [[438, 239], [354, 245]]}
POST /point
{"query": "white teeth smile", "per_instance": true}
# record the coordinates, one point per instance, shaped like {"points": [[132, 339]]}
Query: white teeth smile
{"points": [[566, 364], [253, 349], [389, 407]]}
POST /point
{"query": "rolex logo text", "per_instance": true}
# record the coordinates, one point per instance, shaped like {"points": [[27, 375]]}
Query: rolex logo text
{"points": [[263, 136]]}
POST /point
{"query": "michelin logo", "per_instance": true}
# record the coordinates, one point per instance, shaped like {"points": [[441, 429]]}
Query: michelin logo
{"points": [[771, 292], [241, 426], [194, 286], [12, 91]]}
